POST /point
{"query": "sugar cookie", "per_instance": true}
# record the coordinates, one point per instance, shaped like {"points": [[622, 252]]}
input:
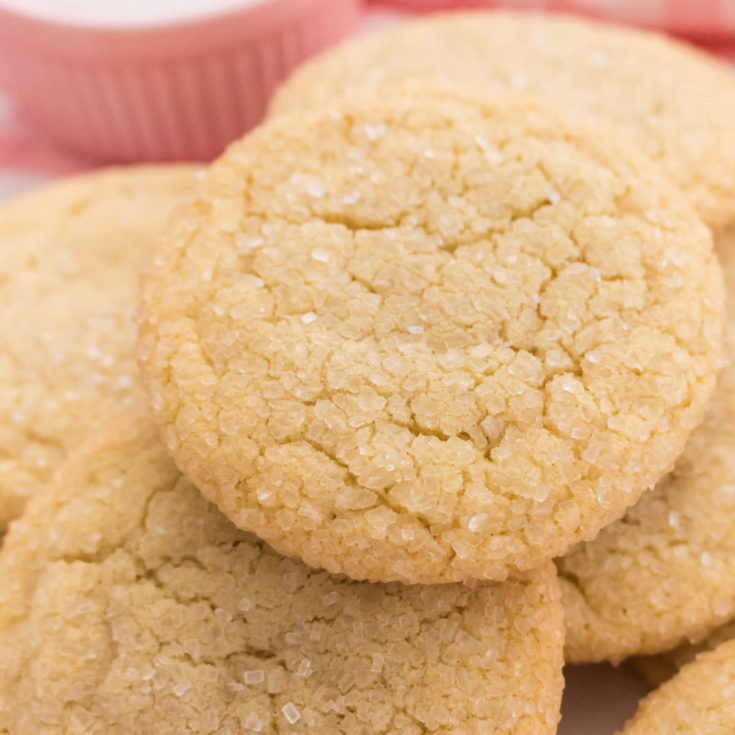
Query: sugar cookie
{"points": [[656, 669], [128, 604], [70, 260], [665, 572], [675, 103], [699, 700], [429, 336]]}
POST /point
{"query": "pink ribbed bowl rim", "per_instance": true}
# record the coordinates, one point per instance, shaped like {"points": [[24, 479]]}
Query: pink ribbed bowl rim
{"points": [[130, 70]]}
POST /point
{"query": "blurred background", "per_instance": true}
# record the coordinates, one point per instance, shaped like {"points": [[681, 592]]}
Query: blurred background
{"points": [[91, 82]]}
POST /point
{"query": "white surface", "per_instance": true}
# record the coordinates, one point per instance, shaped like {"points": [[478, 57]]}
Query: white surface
{"points": [[124, 12]]}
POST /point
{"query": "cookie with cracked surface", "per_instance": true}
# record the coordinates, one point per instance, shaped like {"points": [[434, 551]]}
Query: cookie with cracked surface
{"points": [[699, 699], [672, 101], [129, 604], [664, 574], [430, 336], [70, 261]]}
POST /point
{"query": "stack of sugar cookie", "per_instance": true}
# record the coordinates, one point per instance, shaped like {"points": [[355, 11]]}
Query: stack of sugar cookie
{"points": [[453, 312]]}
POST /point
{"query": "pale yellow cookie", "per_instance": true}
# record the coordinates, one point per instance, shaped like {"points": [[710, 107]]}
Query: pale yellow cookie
{"points": [[70, 261], [130, 605], [429, 336], [665, 573], [699, 700], [675, 103]]}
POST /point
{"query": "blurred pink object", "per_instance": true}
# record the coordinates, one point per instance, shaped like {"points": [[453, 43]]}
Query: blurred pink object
{"points": [[162, 91], [707, 21]]}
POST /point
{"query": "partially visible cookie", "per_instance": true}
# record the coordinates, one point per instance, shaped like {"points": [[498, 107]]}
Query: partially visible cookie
{"points": [[70, 261], [665, 573], [128, 604], [427, 335], [699, 700], [656, 669], [674, 102]]}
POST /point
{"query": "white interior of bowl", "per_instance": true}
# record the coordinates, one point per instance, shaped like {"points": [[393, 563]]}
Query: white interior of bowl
{"points": [[125, 13]]}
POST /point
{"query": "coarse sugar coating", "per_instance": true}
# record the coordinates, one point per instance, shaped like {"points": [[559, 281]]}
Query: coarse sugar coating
{"points": [[664, 574], [430, 336], [70, 261], [699, 700], [129, 604], [673, 102]]}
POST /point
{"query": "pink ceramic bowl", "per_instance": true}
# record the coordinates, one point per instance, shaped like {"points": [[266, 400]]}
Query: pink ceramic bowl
{"points": [[162, 91]]}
